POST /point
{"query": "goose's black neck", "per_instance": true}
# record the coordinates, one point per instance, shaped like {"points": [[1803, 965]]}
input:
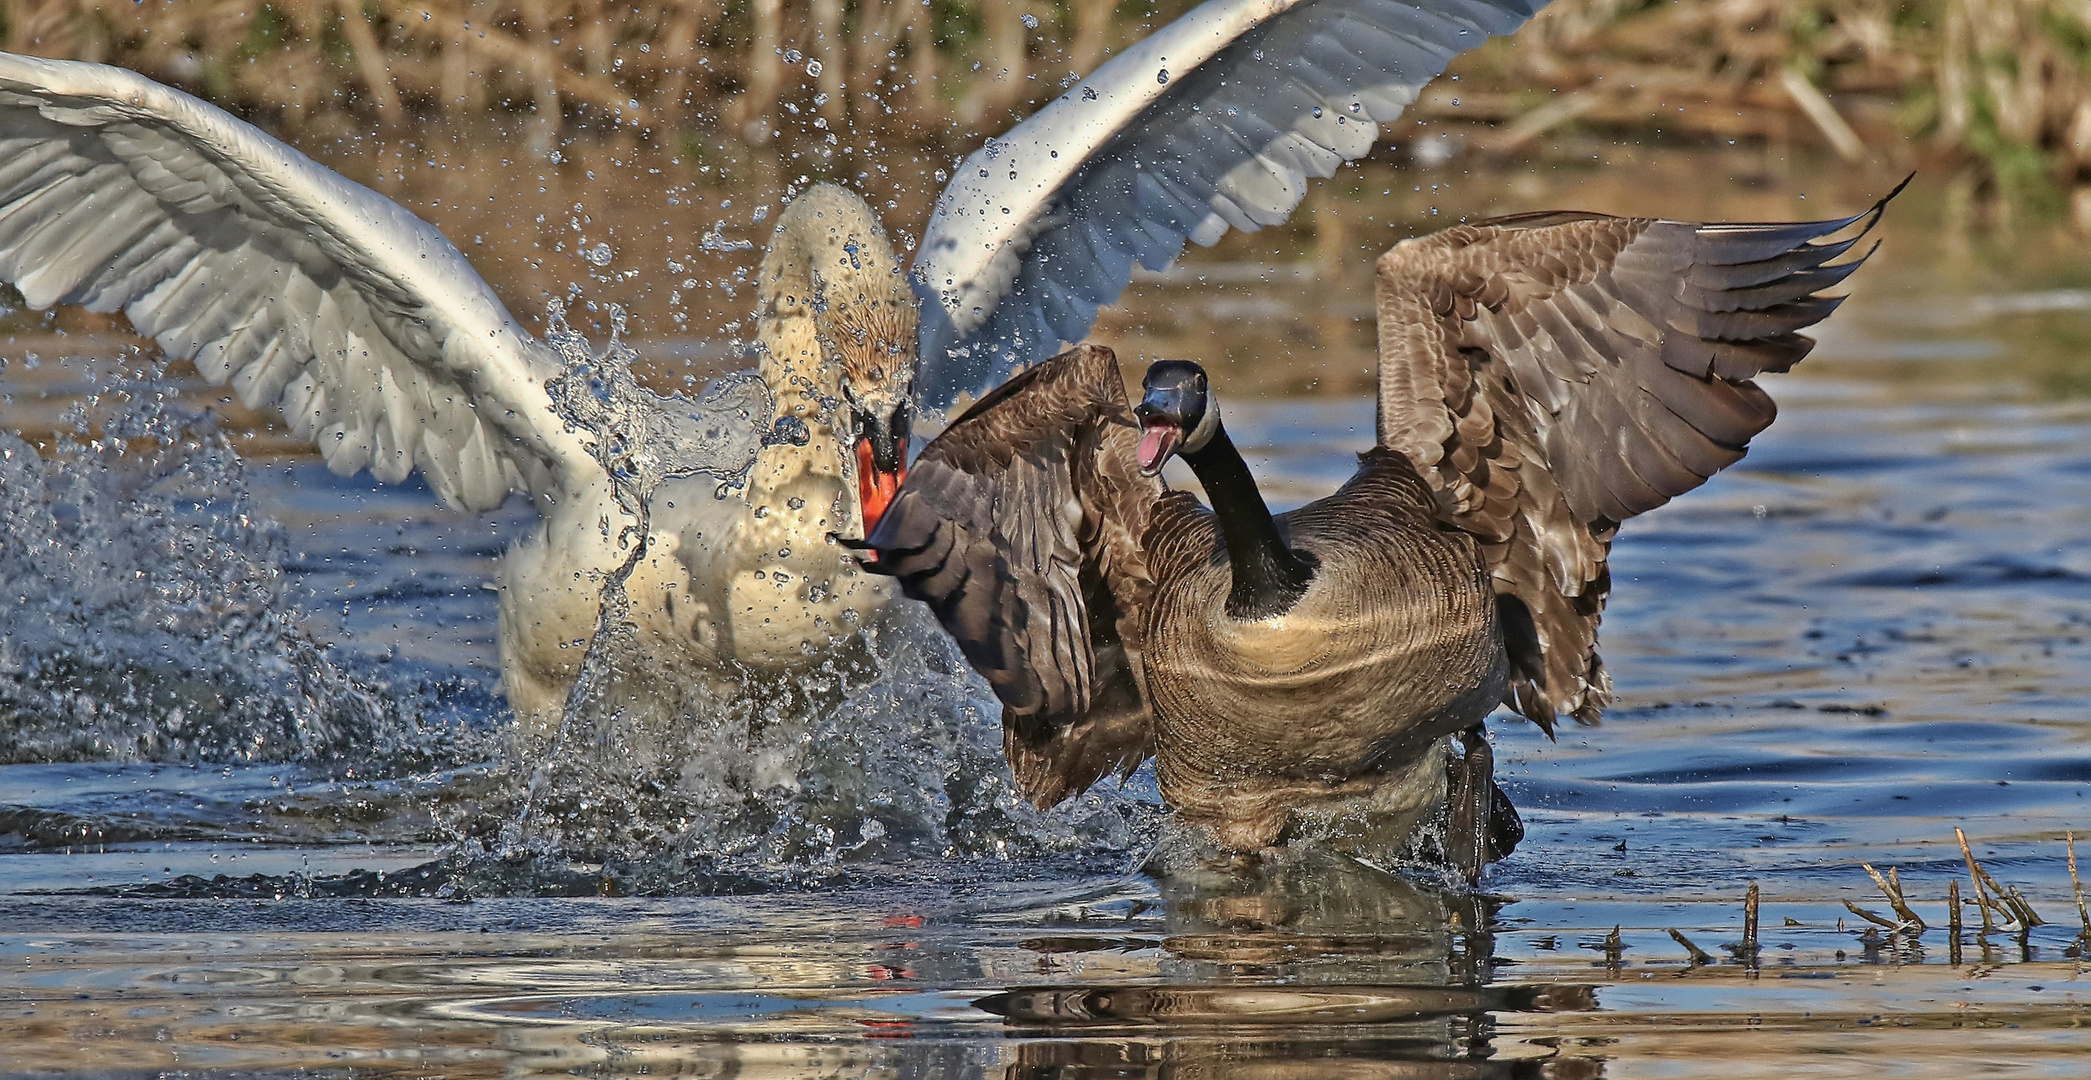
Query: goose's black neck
{"points": [[1269, 577]]}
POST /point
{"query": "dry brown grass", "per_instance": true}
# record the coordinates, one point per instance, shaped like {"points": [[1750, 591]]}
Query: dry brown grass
{"points": [[725, 66], [2002, 85]]}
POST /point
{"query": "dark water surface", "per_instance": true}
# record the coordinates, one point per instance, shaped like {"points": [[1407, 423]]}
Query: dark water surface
{"points": [[1875, 629]]}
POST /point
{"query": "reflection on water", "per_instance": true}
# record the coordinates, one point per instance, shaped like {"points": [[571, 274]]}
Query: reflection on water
{"points": [[1874, 629], [941, 980]]}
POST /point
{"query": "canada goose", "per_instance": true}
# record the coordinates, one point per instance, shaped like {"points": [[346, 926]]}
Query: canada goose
{"points": [[296, 287], [1542, 379]]}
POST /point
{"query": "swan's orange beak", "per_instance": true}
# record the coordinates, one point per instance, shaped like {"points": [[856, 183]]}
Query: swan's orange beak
{"points": [[876, 487]]}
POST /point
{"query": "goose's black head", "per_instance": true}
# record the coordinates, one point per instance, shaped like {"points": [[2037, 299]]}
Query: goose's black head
{"points": [[1177, 413]]}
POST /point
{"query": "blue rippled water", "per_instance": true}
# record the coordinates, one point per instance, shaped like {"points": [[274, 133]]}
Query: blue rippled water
{"points": [[1874, 630]]}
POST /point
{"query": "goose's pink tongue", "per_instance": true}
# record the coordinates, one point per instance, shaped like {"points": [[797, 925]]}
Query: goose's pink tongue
{"points": [[1156, 440]]}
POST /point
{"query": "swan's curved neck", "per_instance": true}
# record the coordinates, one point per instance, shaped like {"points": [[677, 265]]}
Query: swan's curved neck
{"points": [[792, 361], [1269, 577]]}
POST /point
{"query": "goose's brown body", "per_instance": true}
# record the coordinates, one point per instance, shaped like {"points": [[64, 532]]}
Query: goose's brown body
{"points": [[1542, 379], [1392, 647]]}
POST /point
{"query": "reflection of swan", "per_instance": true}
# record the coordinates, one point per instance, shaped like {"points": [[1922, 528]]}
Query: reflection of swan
{"points": [[1542, 379], [299, 288]]}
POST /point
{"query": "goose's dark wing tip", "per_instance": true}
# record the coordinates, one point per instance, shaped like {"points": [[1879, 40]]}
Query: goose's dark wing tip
{"points": [[1890, 196], [1874, 213], [1742, 242]]}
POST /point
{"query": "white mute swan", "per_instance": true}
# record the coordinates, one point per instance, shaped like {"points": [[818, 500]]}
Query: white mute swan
{"points": [[299, 288], [751, 582]]}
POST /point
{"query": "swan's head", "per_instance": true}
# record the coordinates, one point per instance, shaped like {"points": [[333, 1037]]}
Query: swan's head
{"points": [[1177, 413], [831, 265], [871, 337]]}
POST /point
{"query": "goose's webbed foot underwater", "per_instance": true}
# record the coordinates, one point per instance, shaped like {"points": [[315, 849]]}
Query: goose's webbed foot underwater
{"points": [[1481, 825]]}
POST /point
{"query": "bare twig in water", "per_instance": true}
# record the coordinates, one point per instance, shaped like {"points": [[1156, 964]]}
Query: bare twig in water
{"points": [[1699, 955], [2076, 885], [1891, 887], [1871, 917], [2008, 902], [2027, 917], [1745, 951], [1953, 921], [1982, 901]]}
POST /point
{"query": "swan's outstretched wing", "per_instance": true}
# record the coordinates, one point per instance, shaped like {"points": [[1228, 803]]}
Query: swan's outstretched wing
{"points": [[275, 275], [1020, 526], [1552, 375], [1212, 122]]}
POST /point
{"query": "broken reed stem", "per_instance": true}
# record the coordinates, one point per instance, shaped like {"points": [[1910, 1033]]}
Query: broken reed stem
{"points": [[2023, 908], [2008, 901], [1891, 887], [1871, 917], [1699, 955], [1975, 875], [1953, 921], [2076, 885], [1749, 926]]}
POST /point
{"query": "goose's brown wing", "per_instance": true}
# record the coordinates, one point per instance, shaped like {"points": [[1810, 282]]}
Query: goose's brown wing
{"points": [[1020, 527], [1552, 375]]}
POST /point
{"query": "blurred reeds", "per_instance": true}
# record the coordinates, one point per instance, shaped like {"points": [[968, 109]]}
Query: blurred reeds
{"points": [[2001, 86]]}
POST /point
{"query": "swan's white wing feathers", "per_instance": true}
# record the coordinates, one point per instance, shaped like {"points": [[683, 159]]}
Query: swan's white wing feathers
{"points": [[1214, 122], [278, 277]]}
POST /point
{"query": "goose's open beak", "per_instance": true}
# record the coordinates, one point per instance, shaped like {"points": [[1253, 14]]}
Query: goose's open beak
{"points": [[882, 442], [1158, 439]]}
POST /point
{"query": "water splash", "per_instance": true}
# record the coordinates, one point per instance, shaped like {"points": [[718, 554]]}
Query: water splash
{"points": [[884, 756], [148, 616], [641, 438], [147, 613], [886, 748]]}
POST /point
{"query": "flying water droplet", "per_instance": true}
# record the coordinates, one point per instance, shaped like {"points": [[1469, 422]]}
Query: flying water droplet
{"points": [[1162, 76], [599, 254], [716, 241], [1030, 21]]}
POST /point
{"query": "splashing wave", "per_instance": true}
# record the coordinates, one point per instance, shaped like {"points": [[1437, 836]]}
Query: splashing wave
{"points": [[147, 614], [149, 619]]}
